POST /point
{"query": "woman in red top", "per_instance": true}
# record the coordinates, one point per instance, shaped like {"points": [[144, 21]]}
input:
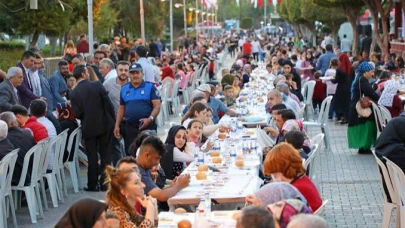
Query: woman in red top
{"points": [[390, 99], [284, 163], [319, 91]]}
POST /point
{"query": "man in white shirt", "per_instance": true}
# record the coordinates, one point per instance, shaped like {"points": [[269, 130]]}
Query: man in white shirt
{"points": [[345, 44], [256, 48], [107, 69], [148, 71], [38, 109], [240, 43]]}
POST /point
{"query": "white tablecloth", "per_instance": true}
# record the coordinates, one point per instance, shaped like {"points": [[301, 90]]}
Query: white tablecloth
{"points": [[217, 218]]}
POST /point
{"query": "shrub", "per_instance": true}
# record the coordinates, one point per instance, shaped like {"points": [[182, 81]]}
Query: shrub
{"points": [[9, 57], [12, 45]]}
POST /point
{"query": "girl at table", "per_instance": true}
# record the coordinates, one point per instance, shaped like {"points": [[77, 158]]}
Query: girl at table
{"points": [[198, 111], [194, 134], [125, 189], [284, 164], [178, 152]]}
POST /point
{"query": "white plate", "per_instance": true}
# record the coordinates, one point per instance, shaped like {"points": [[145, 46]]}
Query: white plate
{"points": [[326, 78]]}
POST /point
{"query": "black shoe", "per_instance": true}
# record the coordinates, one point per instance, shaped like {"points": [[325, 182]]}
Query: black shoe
{"points": [[94, 189], [364, 151], [103, 188]]}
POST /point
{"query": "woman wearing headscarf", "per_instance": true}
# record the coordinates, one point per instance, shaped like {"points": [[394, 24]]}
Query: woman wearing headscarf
{"points": [[362, 131], [246, 73], [344, 64], [285, 210], [178, 151], [390, 99], [274, 192], [85, 213], [341, 105], [288, 68]]}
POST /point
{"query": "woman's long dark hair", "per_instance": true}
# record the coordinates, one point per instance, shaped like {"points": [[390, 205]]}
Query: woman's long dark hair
{"points": [[136, 144], [197, 106]]}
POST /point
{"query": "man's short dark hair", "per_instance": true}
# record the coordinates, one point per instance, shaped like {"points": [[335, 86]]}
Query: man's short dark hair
{"points": [[255, 216], [37, 56], [79, 57], [19, 109], [294, 57], [126, 159], [287, 114], [295, 138], [122, 62], [100, 52], [38, 108], [82, 36], [141, 50], [344, 36], [63, 63], [27, 55], [156, 143], [268, 65], [78, 71], [329, 47], [278, 107]]}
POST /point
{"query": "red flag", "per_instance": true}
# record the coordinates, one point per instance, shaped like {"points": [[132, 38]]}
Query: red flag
{"points": [[279, 1], [270, 2], [250, 3], [260, 3]]}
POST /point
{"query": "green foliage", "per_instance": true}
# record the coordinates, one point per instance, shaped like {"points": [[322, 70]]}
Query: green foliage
{"points": [[107, 19], [12, 45], [49, 19], [9, 57]]}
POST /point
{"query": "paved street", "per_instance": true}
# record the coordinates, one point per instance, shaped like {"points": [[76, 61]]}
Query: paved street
{"points": [[349, 181]]}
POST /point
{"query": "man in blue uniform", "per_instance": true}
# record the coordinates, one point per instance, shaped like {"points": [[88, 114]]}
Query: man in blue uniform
{"points": [[139, 106]]}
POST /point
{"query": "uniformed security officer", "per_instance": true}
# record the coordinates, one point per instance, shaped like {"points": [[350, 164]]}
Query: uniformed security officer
{"points": [[139, 106]]}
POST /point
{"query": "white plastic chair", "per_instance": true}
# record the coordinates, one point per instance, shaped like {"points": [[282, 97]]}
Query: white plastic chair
{"points": [[60, 175], [398, 183], [301, 112], [55, 188], [73, 165], [7, 165], [322, 121], [378, 118], [317, 139], [308, 94], [321, 209], [174, 98], [385, 114], [164, 106], [388, 206], [32, 190]]}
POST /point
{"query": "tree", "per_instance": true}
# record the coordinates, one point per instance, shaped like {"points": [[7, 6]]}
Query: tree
{"points": [[382, 9], [352, 9], [49, 19]]}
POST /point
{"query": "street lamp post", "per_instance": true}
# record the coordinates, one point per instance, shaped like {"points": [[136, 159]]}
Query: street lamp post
{"points": [[262, 23], [171, 24], [185, 17], [90, 25], [141, 13]]}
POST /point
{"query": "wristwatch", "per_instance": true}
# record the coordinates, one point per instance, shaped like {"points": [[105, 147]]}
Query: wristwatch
{"points": [[151, 117]]}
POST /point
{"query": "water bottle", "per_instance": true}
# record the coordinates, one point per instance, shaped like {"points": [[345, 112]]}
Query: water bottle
{"points": [[234, 127], [196, 150], [207, 205], [233, 153], [240, 126], [201, 206], [200, 157], [245, 148]]}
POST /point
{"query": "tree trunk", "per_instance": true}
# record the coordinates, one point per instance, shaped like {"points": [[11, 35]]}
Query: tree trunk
{"points": [[352, 18], [376, 35], [385, 39], [52, 43], [34, 40]]}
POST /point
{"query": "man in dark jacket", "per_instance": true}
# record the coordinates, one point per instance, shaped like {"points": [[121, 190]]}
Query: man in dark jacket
{"points": [[97, 119], [19, 138]]}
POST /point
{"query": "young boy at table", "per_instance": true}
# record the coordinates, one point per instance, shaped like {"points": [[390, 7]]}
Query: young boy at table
{"points": [[296, 139], [229, 95]]}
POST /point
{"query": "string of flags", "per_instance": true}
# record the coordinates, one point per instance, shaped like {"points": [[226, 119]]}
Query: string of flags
{"points": [[255, 3]]}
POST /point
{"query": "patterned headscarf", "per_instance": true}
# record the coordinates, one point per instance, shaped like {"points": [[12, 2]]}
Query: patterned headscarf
{"points": [[361, 69], [284, 210], [391, 88], [276, 191]]}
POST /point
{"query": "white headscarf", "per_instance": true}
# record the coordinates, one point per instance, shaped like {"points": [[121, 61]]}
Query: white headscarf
{"points": [[391, 88]]}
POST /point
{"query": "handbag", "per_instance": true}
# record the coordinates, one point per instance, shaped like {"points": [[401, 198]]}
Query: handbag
{"points": [[363, 106]]}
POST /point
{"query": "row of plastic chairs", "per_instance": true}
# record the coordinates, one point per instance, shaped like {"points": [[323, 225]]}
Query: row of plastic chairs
{"points": [[37, 158], [394, 179]]}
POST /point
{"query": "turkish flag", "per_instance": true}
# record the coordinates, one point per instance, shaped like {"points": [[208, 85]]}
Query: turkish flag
{"points": [[260, 3]]}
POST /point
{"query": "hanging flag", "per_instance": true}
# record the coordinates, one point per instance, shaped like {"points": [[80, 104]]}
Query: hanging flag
{"points": [[279, 1], [260, 3], [255, 3], [270, 2]]}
